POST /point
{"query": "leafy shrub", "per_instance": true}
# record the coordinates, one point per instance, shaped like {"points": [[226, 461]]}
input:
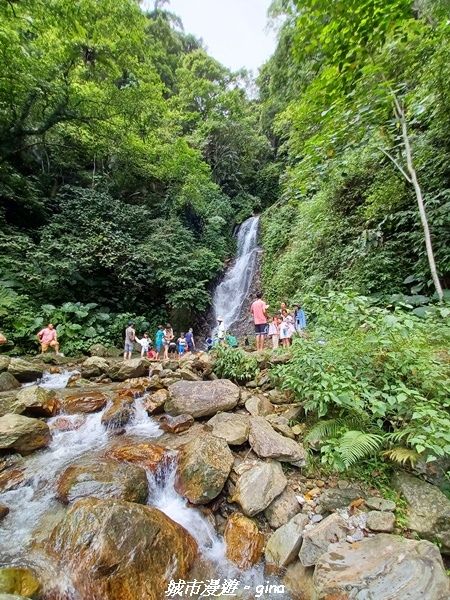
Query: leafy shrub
{"points": [[235, 364]]}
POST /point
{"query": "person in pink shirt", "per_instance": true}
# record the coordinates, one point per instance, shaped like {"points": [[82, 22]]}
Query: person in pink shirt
{"points": [[258, 310], [47, 337]]}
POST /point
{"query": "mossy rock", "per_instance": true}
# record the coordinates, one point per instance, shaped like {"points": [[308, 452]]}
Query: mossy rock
{"points": [[20, 583]]}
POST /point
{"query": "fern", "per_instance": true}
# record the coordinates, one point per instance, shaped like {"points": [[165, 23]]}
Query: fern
{"points": [[331, 427], [355, 445], [402, 456]]}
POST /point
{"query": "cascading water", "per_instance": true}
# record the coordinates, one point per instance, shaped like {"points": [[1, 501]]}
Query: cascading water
{"points": [[232, 292]]}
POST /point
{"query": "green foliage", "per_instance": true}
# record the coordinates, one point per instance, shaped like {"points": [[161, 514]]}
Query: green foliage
{"points": [[382, 380], [235, 364]]}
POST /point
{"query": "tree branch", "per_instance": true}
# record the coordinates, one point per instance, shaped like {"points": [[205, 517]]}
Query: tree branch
{"points": [[399, 167]]}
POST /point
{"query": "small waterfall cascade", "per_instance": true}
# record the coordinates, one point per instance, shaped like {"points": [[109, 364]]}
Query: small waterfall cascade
{"points": [[232, 292]]}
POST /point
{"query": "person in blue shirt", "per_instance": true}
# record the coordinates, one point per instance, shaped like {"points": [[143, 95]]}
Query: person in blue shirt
{"points": [[299, 317], [209, 344], [158, 340], [190, 340]]}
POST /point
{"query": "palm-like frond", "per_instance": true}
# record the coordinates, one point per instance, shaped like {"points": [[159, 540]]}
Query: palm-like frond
{"points": [[355, 445], [355, 420], [402, 455]]}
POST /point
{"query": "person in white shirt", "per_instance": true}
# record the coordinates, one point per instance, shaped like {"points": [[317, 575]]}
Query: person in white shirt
{"points": [[221, 330]]}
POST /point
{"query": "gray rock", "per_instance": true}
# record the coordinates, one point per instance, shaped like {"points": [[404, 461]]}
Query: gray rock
{"points": [[316, 540], [383, 567], [189, 375], [258, 486], [334, 498], [267, 443], [176, 424], [8, 382], [94, 367], [298, 581], [203, 469], [4, 363], [23, 434], [283, 508], [8, 403], [231, 427], [98, 350], [281, 425], [381, 521], [277, 396], [376, 503], [170, 365], [129, 369], [37, 401], [258, 406], [201, 398], [428, 509], [283, 545], [25, 371], [293, 413]]}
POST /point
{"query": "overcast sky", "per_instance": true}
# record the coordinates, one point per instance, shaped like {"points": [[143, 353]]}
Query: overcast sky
{"points": [[233, 30]]}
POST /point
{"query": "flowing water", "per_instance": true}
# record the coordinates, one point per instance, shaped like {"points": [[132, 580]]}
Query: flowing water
{"points": [[232, 292], [34, 510]]}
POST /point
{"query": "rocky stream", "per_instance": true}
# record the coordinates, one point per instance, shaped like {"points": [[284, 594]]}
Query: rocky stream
{"points": [[142, 480]]}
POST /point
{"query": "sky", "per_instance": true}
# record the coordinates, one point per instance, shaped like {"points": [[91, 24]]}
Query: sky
{"points": [[234, 31]]}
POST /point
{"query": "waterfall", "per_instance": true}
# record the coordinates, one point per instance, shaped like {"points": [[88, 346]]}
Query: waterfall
{"points": [[231, 294]]}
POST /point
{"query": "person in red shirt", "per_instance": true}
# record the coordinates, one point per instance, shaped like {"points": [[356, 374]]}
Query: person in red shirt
{"points": [[47, 337], [258, 310]]}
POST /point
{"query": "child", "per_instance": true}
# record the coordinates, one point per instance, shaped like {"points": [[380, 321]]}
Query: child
{"points": [[285, 332], [209, 344], [159, 340], [181, 342], [145, 344], [273, 331]]}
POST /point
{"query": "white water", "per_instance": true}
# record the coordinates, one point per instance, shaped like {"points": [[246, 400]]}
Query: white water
{"points": [[231, 293]]}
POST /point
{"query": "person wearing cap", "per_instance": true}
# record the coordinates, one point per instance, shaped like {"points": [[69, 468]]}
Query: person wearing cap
{"points": [[130, 337], [299, 317], [220, 330]]}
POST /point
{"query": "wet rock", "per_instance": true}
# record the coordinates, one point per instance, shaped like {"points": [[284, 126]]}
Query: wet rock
{"points": [[94, 367], [8, 404], [84, 402], [67, 424], [282, 509], [148, 384], [4, 510], [98, 350], [25, 371], [104, 478], [201, 398], [428, 509], [267, 443], [298, 581], [21, 582], [335, 498], [283, 546], [119, 413], [23, 434], [12, 597], [258, 486], [116, 550], [376, 503], [203, 469], [316, 540], [259, 406], [381, 567], [38, 402], [381, 521], [129, 369], [154, 403], [11, 479], [4, 363], [232, 427], [244, 542], [8, 382], [146, 456], [281, 425], [176, 424]]}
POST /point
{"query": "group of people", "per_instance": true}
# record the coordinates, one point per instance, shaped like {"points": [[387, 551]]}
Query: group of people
{"points": [[165, 343], [280, 326]]}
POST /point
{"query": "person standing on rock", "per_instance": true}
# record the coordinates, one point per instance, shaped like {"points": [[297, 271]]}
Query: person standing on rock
{"points": [[47, 337], [299, 317], [190, 340], [130, 338], [159, 341], [221, 331], [258, 310], [167, 339]]}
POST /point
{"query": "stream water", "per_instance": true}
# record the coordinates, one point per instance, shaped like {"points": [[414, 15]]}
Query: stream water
{"points": [[232, 292], [34, 510]]}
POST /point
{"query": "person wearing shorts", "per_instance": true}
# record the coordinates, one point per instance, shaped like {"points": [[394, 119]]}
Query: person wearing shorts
{"points": [[47, 338], [159, 341], [130, 337], [258, 310]]}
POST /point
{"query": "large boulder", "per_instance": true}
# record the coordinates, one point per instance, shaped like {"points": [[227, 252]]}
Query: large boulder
{"points": [[94, 367], [22, 434], [8, 403], [147, 456], [25, 371], [20, 582], [84, 402], [129, 369], [103, 478], [283, 545], [116, 550], [36, 401], [201, 398], [316, 540], [232, 427], [258, 486], [428, 509], [8, 382], [244, 542], [267, 443], [382, 567], [203, 469]]}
